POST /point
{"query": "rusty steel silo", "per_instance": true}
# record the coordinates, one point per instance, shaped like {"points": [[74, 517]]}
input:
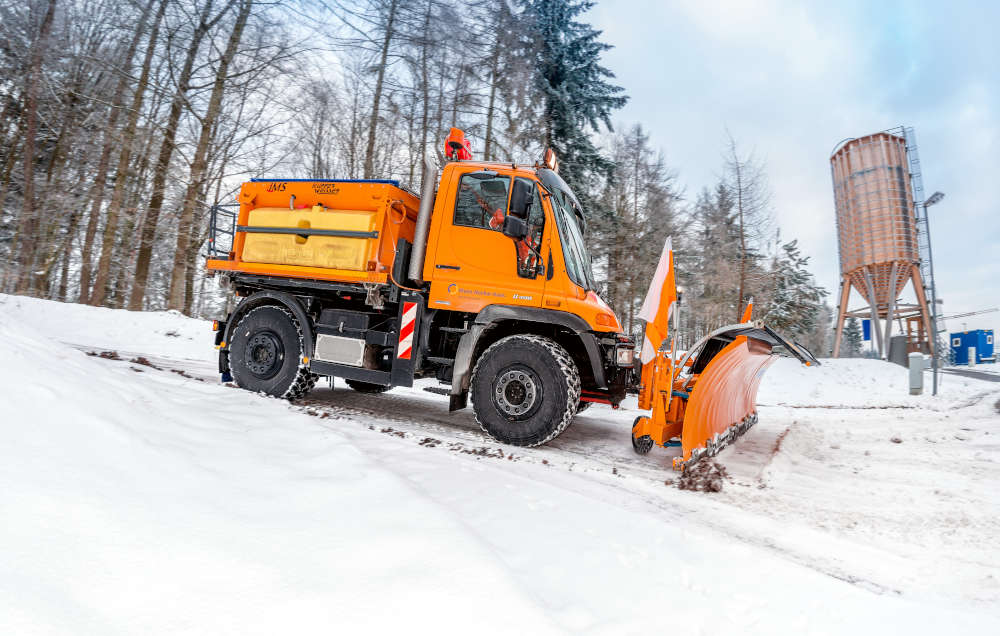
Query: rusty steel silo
{"points": [[878, 198]]}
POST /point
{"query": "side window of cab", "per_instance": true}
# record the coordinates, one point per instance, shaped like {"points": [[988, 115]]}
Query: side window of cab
{"points": [[482, 201]]}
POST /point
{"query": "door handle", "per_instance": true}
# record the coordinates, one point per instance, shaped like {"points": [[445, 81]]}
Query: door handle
{"points": [[454, 267]]}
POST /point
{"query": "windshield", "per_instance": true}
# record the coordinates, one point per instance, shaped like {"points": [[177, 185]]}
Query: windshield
{"points": [[569, 220]]}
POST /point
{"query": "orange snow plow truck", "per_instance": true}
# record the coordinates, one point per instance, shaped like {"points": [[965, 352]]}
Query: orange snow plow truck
{"points": [[483, 282]]}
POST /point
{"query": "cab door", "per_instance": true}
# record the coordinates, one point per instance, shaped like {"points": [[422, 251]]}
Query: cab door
{"points": [[475, 264]]}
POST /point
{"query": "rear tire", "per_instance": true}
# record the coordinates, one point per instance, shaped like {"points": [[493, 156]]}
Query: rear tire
{"points": [[265, 351], [367, 387], [525, 390]]}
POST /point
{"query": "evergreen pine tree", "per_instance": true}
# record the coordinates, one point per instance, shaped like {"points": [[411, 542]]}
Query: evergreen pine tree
{"points": [[637, 210], [572, 85], [795, 300], [711, 272], [852, 338]]}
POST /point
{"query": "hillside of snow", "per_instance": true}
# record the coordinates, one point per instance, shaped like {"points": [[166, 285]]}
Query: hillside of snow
{"points": [[140, 495]]}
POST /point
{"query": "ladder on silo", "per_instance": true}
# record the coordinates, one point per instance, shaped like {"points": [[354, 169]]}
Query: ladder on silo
{"points": [[923, 237]]}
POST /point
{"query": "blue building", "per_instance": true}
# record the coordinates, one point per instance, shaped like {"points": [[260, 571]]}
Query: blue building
{"points": [[981, 339]]}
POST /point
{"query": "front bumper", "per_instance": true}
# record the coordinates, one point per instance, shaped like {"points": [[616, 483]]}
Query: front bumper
{"points": [[618, 357]]}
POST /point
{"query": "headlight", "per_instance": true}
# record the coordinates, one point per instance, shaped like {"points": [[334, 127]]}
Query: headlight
{"points": [[624, 355]]}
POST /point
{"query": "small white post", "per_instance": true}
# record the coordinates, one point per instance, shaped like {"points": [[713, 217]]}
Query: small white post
{"points": [[916, 373], [972, 356]]}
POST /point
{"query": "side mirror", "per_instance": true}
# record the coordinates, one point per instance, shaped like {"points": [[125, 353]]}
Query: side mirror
{"points": [[514, 227], [521, 198]]}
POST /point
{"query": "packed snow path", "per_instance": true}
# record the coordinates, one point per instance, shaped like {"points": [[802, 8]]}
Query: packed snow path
{"points": [[141, 496]]}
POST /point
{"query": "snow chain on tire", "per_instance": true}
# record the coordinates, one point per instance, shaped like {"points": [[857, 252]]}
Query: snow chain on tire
{"points": [[305, 380], [569, 373]]}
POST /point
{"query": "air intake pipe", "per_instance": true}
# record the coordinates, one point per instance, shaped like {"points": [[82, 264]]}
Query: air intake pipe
{"points": [[423, 227]]}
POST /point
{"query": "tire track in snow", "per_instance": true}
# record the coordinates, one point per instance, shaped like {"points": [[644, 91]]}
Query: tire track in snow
{"points": [[584, 449]]}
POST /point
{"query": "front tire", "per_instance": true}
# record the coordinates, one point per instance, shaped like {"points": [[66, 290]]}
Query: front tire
{"points": [[525, 390], [264, 353]]}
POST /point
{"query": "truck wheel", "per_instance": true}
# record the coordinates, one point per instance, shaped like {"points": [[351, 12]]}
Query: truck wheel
{"points": [[367, 387], [643, 443], [525, 390], [264, 354]]}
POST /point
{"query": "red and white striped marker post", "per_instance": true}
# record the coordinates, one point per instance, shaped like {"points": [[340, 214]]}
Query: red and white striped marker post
{"points": [[409, 322]]}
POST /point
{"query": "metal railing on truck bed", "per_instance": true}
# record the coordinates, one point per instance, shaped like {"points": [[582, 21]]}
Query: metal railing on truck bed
{"points": [[222, 229]]}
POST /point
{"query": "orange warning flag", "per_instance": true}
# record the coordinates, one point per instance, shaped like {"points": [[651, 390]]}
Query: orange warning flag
{"points": [[659, 304]]}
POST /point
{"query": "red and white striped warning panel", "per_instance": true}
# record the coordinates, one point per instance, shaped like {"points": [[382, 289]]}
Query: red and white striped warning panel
{"points": [[406, 331]]}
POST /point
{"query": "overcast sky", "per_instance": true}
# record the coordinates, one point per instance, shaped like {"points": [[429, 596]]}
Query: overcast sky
{"points": [[792, 79]]}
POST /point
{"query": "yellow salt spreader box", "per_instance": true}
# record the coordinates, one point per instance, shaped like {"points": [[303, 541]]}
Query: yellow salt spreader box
{"points": [[325, 230]]}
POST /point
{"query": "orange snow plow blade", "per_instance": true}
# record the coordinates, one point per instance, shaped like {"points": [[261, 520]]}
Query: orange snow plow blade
{"points": [[725, 395], [708, 398]]}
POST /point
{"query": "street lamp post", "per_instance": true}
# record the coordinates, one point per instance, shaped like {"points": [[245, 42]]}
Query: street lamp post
{"points": [[931, 200]]}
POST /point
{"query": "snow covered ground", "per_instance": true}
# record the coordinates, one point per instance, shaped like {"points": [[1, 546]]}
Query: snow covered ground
{"points": [[141, 496]]}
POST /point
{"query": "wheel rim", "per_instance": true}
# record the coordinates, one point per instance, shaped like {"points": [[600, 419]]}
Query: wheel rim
{"points": [[264, 354], [517, 392]]}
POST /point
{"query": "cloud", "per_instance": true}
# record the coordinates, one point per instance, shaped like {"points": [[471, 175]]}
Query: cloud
{"points": [[791, 79]]}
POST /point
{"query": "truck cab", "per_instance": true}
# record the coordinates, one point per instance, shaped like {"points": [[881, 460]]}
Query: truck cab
{"points": [[475, 264], [542, 278], [483, 283]]}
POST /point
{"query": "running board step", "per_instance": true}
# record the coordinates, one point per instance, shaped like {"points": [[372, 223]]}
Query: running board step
{"points": [[439, 390], [448, 362]]}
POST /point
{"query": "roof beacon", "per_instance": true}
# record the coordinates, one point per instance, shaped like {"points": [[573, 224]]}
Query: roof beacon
{"points": [[550, 161], [457, 146]]}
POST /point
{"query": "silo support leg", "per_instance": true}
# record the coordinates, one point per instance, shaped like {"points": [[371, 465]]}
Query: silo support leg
{"points": [[892, 308], [876, 326], [925, 310], [845, 294]]}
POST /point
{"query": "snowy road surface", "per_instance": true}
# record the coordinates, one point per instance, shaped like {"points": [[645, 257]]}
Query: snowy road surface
{"points": [[141, 496]]}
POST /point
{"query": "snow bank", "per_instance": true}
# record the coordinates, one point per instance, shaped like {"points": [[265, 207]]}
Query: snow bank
{"points": [[134, 502], [859, 382], [150, 333]]}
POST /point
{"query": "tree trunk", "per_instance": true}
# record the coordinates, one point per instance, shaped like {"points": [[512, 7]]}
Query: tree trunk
{"points": [[148, 231], [456, 96], [383, 61], [425, 87], [10, 105], [28, 225], [97, 297], [8, 167], [411, 153], [439, 128], [190, 270], [743, 242], [132, 203], [49, 249], [352, 139], [488, 144], [64, 273], [101, 175], [199, 164]]}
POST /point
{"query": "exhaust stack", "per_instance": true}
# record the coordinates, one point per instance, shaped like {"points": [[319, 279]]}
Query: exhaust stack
{"points": [[423, 227]]}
